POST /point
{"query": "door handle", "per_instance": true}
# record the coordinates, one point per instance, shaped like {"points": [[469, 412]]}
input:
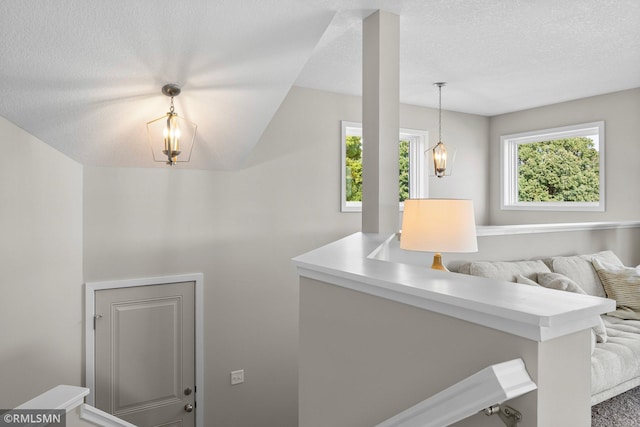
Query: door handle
{"points": [[188, 407]]}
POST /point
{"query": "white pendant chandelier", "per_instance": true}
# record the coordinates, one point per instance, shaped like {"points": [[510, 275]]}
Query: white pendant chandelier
{"points": [[171, 137]]}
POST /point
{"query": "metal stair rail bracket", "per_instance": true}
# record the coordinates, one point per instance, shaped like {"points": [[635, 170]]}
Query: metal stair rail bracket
{"points": [[509, 416]]}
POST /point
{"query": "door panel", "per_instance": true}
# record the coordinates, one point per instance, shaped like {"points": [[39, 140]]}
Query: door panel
{"points": [[145, 353]]}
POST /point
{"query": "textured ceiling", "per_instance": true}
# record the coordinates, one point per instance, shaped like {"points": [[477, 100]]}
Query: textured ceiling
{"points": [[85, 75]]}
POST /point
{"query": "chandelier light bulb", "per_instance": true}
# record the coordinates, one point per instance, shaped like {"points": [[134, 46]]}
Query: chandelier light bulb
{"points": [[440, 159]]}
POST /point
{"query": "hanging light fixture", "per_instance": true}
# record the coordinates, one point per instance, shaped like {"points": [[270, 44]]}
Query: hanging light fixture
{"points": [[440, 156], [171, 135]]}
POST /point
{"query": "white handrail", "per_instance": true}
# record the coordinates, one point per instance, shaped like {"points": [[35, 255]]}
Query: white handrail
{"points": [[492, 385], [101, 418], [67, 398]]}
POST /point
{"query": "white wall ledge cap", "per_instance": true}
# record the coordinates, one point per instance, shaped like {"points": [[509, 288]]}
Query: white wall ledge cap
{"points": [[500, 230], [535, 313], [65, 397]]}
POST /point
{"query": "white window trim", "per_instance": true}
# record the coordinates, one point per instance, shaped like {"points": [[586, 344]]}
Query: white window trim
{"points": [[417, 180], [509, 170]]}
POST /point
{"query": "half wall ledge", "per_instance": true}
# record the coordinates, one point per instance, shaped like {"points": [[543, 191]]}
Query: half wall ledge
{"points": [[537, 314]]}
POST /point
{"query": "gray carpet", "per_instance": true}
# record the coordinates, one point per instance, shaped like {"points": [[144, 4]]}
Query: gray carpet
{"points": [[622, 410]]}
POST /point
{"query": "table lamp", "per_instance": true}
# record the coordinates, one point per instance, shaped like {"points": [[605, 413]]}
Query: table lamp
{"points": [[438, 225]]}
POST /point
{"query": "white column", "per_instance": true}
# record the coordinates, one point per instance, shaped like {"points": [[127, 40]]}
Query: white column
{"points": [[380, 122]]}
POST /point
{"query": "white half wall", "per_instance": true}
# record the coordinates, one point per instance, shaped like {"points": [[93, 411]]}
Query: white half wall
{"points": [[41, 252], [364, 359]]}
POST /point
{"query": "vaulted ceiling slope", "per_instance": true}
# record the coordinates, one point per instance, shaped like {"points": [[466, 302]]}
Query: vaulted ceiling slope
{"points": [[85, 75]]}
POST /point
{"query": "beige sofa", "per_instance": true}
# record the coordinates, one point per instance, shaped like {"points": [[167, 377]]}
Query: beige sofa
{"points": [[615, 357]]}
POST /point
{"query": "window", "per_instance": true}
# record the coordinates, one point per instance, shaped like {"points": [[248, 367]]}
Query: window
{"points": [[411, 165], [554, 169]]}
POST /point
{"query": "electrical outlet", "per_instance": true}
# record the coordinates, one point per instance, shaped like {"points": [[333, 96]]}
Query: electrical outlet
{"points": [[237, 377]]}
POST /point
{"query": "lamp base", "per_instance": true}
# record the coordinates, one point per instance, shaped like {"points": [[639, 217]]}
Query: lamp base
{"points": [[437, 263]]}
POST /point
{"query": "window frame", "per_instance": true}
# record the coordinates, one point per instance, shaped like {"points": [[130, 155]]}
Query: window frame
{"points": [[509, 167], [417, 182]]}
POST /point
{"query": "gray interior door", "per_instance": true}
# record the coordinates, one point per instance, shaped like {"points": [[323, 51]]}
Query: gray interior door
{"points": [[145, 354]]}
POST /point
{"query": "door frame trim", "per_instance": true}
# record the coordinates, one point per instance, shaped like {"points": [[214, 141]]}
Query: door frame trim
{"points": [[89, 352]]}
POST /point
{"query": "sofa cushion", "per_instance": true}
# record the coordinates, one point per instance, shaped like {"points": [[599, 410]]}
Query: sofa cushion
{"points": [[561, 282], [614, 364], [505, 270], [621, 284], [579, 269]]}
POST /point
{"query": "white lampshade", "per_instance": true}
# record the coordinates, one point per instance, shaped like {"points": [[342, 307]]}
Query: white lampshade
{"points": [[439, 225]]}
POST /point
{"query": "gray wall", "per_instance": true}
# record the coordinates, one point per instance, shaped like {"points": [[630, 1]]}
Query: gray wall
{"points": [[624, 242], [41, 268], [363, 359], [621, 113], [468, 134], [241, 228]]}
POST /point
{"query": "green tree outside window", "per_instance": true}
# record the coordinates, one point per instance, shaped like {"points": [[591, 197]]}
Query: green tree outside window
{"points": [[560, 170], [354, 169]]}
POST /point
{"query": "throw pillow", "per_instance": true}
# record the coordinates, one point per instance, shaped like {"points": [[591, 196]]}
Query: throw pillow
{"points": [[526, 281], [506, 270], [580, 270], [561, 282], [621, 284]]}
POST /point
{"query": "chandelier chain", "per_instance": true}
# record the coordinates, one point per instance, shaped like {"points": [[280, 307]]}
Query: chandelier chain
{"points": [[171, 107]]}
